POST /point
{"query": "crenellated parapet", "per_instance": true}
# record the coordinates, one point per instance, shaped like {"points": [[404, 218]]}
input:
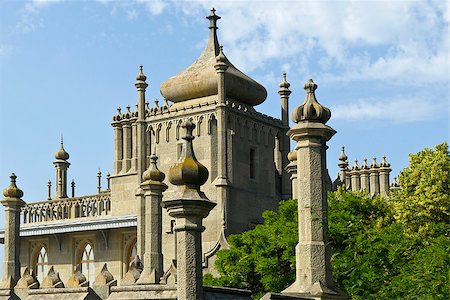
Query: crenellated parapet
{"points": [[373, 178]]}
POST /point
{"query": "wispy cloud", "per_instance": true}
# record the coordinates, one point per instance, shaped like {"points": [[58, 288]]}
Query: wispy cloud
{"points": [[29, 15], [394, 110]]}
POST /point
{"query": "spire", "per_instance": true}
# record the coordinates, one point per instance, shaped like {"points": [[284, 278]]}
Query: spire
{"points": [[343, 163], [355, 166], [153, 173], [213, 42], [141, 76], [374, 163], [365, 165], [311, 110], [384, 163]]}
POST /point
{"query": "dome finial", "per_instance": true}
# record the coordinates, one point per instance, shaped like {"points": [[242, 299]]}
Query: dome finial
{"points": [[12, 191], [141, 76], [61, 153], [213, 19], [311, 109], [284, 86], [189, 172]]}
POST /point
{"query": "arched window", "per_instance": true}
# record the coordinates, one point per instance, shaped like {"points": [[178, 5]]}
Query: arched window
{"points": [[87, 263], [41, 267], [132, 252]]}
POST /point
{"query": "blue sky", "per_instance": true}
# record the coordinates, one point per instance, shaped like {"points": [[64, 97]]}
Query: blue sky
{"points": [[65, 66]]}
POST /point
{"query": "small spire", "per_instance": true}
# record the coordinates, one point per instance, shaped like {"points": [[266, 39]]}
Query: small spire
{"points": [[221, 60], [284, 85], [119, 110], [156, 103], [311, 109], [128, 108], [213, 43], [343, 163], [153, 173], [62, 140], [61, 154], [147, 105]]}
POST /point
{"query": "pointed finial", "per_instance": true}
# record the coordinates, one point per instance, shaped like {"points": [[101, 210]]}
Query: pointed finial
{"points": [[12, 191], [365, 165], [153, 173], [128, 108], [343, 156], [311, 109], [156, 103], [374, 163], [141, 76], [355, 165], [189, 171], [213, 19], [221, 61], [384, 163], [61, 154], [119, 110], [284, 85]]}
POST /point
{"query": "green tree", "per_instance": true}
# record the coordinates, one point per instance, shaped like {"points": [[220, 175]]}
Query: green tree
{"points": [[383, 248], [424, 199]]}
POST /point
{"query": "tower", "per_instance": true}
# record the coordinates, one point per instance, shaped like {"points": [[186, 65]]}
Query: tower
{"points": [[61, 165]]}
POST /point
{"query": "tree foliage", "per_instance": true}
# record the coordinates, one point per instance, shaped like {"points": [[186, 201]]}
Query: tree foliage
{"points": [[383, 248]]}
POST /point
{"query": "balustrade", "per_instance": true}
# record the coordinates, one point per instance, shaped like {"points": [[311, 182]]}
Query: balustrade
{"points": [[68, 208]]}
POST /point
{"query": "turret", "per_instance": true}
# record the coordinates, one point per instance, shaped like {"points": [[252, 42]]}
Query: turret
{"points": [[61, 165]]}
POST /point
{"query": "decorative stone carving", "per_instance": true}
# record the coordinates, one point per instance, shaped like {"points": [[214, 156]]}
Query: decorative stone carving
{"points": [[52, 280], [134, 271], [77, 279], [28, 280]]}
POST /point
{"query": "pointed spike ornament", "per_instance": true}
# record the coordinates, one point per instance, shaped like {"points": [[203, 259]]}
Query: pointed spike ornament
{"points": [[12, 191], [284, 85], [311, 110]]}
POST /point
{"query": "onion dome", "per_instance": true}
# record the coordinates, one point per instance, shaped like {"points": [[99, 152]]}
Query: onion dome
{"points": [[311, 110], [12, 191], [201, 80], [365, 166], [384, 163], [343, 164], [61, 153], [141, 76], [153, 173], [189, 172]]}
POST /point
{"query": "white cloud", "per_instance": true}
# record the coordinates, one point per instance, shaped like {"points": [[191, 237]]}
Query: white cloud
{"points": [[29, 15], [132, 14], [154, 7], [399, 109]]}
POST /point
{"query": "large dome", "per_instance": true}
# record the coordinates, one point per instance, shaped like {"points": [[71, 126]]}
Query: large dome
{"points": [[201, 79]]}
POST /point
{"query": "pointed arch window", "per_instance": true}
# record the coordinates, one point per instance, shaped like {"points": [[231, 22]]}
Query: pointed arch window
{"points": [[41, 264], [132, 252], [87, 263]]}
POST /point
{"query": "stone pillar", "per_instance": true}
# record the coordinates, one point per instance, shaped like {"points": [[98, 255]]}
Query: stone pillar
{"points": [[286, 185], [141, 86], [364, 172], [12, 203], [291, 169], [126, 164], [61, 165], [189, 206], [118, 147], [355, 177], [374, 179], [384, 176], [222, 183], [152, 188], [313, 254], [134, 146]]}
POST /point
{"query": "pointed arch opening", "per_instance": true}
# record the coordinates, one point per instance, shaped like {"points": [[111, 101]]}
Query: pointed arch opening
{"points": [[41, 264], [87, 262], [132, 252]]}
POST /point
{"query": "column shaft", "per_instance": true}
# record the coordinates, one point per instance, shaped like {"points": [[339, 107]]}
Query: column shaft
{"points": [[118, 149]]}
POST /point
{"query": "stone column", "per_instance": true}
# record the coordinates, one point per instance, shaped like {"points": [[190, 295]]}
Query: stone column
{"points": [[364, 172], [355, 177], [141, 86], [61, 165], [384, 176], [118, 145], [286, 185], [374, 179], [152, 188], [134, 146], [313, 254], [189, 206], [126, 164], [291, 169], [12, 203], [222, 183]]}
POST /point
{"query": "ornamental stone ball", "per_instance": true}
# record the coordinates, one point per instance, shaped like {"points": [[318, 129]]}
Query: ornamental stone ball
{"points": [[153, 173]]}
